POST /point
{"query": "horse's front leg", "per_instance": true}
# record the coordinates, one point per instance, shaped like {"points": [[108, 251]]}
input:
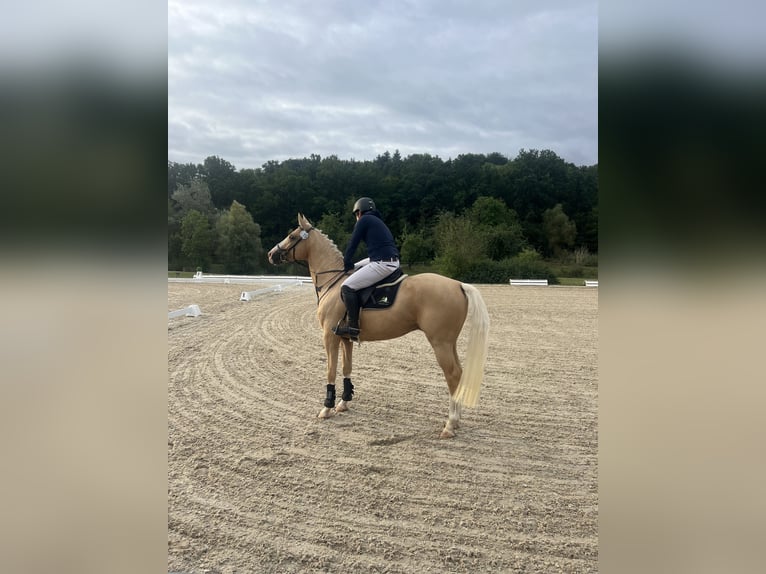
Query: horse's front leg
{"points": [[348, 388], [331, 344]]}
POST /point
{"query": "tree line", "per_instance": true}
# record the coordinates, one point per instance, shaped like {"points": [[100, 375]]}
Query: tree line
{"points": [[474, 217]]}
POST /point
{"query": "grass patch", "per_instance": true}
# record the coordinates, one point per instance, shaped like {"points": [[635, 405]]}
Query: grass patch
{"points": [[572, 281], [573, 271]]}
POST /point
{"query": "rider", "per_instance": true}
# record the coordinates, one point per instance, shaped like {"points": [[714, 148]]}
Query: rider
{"points": [[384, 260]]}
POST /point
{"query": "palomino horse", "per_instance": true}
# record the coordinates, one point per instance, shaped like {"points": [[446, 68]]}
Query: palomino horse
{"points": [[435, 304]]}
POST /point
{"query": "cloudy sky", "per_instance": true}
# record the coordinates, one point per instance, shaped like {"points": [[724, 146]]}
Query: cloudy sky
{"points": [[252, 81]]}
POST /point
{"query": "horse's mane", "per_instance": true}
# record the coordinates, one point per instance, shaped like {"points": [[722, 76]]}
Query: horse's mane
{"points": [[330, 242]]}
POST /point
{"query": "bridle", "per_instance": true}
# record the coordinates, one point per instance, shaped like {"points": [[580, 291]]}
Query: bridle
{"points": [[282, 251], [303, 235]]}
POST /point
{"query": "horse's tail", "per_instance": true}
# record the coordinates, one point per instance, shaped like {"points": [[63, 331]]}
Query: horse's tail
{"points": [[477, 319]]}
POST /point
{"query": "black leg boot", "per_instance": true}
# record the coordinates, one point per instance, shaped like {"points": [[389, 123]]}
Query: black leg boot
{"points": [[351, 299]]}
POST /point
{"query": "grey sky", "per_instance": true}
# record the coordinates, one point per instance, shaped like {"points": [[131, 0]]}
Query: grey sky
{"points": [[252, 81]]}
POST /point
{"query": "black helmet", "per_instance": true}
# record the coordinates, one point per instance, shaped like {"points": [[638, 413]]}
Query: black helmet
{"points": [[363, 205]]}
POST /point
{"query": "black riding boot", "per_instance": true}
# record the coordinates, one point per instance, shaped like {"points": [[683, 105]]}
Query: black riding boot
{"points": [[351, 299]]}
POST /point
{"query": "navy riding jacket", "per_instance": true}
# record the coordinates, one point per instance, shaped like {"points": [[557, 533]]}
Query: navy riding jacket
{"points": [[376, 235]]}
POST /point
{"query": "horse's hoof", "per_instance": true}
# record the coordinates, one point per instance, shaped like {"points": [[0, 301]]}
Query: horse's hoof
{"points": [[326, 413], [446, 433], [342, 407]]}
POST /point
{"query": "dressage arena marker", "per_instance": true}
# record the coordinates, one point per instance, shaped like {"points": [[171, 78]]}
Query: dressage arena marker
{"points": [[533, 282], [591, 283], [249, 295], [190, 311]]}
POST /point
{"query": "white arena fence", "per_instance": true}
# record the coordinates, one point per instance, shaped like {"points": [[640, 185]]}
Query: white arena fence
{"points": [[281, 280], [211, 278], [544, 282], [200, 277], [250, 295]]}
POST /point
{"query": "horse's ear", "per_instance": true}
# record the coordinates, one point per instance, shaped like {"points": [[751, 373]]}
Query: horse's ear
{"points": [[303, 223]]}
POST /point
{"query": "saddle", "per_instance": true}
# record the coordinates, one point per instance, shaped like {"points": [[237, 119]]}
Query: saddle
{"points": [[381, 295]]}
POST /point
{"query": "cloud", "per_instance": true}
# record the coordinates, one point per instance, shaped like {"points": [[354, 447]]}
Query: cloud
{"points": [[275, 80]]}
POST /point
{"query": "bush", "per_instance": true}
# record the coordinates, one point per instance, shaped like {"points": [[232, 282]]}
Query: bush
{"points": [[519, 268], [581, 256], [416, 248], [487, 271], [528, 255], [457, 246], [572, 271]]}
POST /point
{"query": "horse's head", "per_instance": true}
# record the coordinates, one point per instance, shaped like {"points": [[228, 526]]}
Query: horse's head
{"points": [[294, 247]]}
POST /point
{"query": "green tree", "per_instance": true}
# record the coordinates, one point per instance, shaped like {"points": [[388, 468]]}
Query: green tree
{"points": [[239, 241], [500, 227], [334, 227], [416, 248], [457, 244], [180, 174], [195, 196], [491, 212], [196, 239], [410, 191], [560, 231], [175, 257], [221, 177]]}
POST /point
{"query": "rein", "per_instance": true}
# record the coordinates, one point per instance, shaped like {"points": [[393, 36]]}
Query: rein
{"points": [[330, 284]]}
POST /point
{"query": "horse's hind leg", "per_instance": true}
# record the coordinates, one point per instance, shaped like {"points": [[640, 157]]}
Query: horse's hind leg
{"points": [[348, 388], [446, 355]]}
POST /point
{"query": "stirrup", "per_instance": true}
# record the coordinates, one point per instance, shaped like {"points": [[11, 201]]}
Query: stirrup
{"points": [[346, 331]]}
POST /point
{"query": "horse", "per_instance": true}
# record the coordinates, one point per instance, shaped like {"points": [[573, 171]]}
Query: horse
{"points": [[435, 304]]}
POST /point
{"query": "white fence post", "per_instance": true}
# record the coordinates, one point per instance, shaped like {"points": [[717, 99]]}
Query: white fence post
{"points": [[532, 282]]}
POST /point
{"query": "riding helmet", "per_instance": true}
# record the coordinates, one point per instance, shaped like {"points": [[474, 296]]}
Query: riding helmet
{"points": [[363, 205]]}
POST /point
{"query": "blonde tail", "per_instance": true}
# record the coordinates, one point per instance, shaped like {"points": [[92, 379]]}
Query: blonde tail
{"points": [[477, 319]]}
